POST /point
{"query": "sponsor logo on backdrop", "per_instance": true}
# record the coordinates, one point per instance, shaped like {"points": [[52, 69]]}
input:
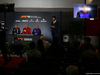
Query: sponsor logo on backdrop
{"points": [[43, 20], [24, 20], [31, 20], [17, 20], [28, 18], [23, 16], [33, 17], [37, 20]]}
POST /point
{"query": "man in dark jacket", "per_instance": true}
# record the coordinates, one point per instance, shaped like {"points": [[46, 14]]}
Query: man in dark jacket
{"points": [[36, 31], [54, 27], [16, 30]]}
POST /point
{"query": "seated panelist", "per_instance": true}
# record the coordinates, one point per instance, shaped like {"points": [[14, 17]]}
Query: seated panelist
{"points": [[26, 30], [16, 30], [36, 30]]}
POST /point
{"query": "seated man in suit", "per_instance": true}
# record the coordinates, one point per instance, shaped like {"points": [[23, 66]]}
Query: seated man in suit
{"points": [[26, 30], [36, 31], [16, 30]]}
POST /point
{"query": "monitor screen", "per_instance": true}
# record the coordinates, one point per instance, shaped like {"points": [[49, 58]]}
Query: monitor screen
{"points": [[85, 11]]}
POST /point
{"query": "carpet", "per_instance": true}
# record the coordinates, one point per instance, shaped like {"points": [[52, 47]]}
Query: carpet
{"points": [[11, 65]]}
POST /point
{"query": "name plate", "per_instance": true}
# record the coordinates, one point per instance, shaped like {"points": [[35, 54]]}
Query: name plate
{"points": [[27, 39], [24, 34]]}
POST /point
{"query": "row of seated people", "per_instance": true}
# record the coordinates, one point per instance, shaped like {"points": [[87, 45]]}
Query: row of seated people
{"points": [[56, 49], [26, 30], [37, 67], [88, 53], [89, 58]]}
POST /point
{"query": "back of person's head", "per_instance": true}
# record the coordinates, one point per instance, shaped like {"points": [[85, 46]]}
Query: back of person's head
{"points": [[87, 40], [32, 45], [40, 47], [42, 37], [72, 70], [35, 55]]}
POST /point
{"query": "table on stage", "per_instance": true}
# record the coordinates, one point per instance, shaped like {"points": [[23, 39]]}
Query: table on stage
{"points": [[25, 38]]}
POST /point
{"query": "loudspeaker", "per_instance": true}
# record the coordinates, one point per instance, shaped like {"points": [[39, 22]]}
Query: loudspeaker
{"points": [[65, 38], [7, 7]]}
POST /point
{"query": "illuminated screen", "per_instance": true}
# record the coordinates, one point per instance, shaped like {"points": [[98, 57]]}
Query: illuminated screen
{"points": [[85, 11]]}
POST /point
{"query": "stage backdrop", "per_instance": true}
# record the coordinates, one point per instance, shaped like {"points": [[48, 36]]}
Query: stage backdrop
{"points": [[42, 19]]}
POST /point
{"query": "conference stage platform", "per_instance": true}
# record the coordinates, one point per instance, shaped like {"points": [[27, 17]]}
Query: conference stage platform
{"points": [[25, 38]]}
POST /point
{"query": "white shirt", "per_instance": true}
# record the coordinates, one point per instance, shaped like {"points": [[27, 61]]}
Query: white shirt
{"points": [[54, 21]]}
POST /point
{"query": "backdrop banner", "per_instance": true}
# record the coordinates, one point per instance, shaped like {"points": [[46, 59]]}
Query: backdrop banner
{"points": [[42, 19]]}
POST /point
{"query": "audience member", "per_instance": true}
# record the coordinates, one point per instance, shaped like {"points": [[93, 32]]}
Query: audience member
{"points": [[33, 52], [72, 70], [89, 56], [56, 49], [45, 42], [32, 64], [86, 45], [40, 47], [89, 60]]}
